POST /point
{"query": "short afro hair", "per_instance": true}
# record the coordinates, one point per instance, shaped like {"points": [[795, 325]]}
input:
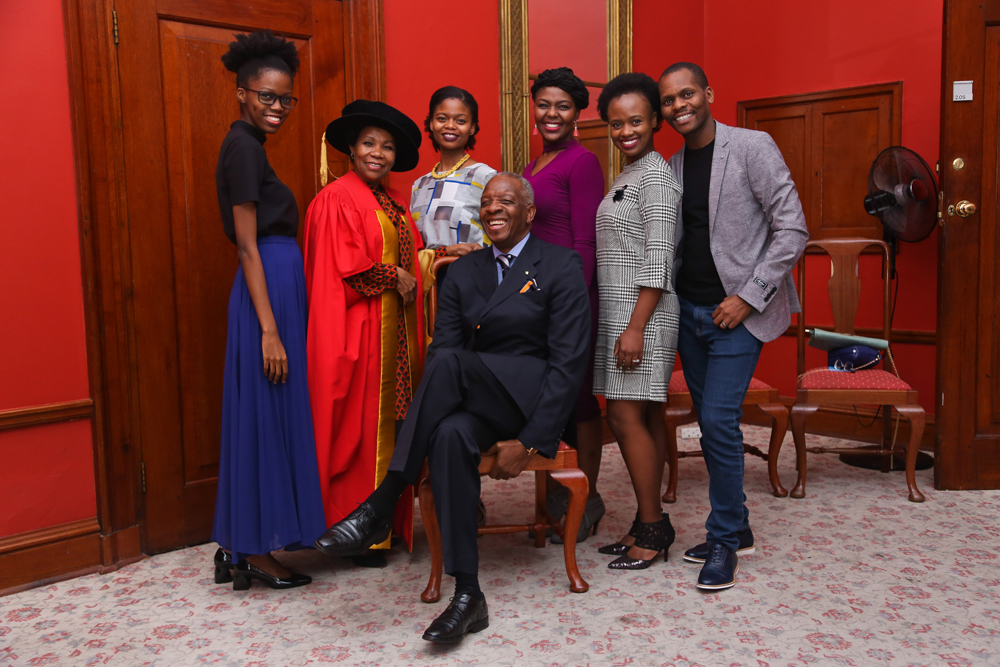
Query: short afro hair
{"points": [[631, 83], [564, 79], [250, 55], [697, 72], [463, 96]]}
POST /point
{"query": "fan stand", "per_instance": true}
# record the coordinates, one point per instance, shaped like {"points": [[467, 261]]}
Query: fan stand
{"points": [[871, 458]]}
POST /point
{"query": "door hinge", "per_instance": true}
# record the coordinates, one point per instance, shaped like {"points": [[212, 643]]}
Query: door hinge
{"points": [[143, 468], [114, 30]]}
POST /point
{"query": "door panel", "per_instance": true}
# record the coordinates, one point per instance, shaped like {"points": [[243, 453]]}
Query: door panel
{"points": [[177, 104], [848, 139], [284, 17], [988, 389], [789, 126], [968, 363]]}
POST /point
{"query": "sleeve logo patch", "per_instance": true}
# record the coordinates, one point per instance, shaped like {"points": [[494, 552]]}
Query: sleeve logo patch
{"points": [[760, 283]]}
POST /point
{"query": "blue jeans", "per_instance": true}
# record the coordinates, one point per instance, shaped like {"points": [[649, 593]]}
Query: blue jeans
{"points": [[718, 366]]}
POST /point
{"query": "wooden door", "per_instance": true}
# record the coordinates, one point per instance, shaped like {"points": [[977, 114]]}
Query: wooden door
{"points": [[968, 351], [177, 104]]}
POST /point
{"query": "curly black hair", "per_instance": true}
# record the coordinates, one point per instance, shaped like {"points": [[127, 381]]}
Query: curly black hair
{"points": [[631, 83], [252, 54], [463, 96], [696, 72], [563, 78]]}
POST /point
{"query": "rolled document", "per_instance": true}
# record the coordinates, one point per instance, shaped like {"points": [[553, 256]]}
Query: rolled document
{"points": [[829, 340]]}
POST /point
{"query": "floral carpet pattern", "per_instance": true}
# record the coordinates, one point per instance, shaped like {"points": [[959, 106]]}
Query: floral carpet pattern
{"points": [[853, 574]]}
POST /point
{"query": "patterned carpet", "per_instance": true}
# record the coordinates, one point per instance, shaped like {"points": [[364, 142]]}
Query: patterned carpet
{"points": [[852, 575]]}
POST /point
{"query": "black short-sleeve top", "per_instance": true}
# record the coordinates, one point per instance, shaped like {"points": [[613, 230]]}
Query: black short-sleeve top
{"points": [[243, 175]]}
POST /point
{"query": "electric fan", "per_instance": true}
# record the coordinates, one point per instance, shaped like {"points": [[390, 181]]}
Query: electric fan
{"points": [[902, 192]]}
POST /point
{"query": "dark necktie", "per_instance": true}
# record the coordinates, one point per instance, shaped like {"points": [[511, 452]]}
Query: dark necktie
{"points": [[505, 261]]}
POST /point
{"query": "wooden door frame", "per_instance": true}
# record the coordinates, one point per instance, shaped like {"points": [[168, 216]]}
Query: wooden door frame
{"points": [[964, 36], [94, 93]]}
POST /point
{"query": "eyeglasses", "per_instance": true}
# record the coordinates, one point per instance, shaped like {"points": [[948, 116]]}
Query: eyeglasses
{"points": [[268, 98]]}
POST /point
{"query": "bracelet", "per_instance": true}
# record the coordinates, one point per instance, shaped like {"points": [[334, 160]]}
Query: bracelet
{"points": [[531, 450]]}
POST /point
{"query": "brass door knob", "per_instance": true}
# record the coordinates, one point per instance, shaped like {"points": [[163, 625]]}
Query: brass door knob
{"points": [[965, 208]]}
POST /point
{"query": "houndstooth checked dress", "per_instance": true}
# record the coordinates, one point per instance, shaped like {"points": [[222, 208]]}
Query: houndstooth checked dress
{"points": [[635, 248]]}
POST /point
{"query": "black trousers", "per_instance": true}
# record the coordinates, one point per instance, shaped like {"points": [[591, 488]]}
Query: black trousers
{"points": [[459, 411]]}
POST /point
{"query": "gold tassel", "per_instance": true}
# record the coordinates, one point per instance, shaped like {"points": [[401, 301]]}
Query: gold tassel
{"points": [[324, 168]]}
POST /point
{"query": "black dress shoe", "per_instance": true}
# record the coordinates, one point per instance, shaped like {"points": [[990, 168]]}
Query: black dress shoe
{"points": [[355, 534], [720, 568], [699, 553], [244, 572], [467, 612], [223, 567]]}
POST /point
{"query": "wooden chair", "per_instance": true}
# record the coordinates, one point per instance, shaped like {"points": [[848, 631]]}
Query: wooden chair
{"points": [[680, 410], [820, 386], [563, 468]]}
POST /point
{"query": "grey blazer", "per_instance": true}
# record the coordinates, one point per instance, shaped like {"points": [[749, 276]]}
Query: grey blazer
{"points": [[757, 229]]}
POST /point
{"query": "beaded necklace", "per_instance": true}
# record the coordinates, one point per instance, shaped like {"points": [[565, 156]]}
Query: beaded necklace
{"points": [[446, 174]]}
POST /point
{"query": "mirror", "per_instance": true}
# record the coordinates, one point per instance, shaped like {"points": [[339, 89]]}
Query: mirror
{"points": [[593, 37]]}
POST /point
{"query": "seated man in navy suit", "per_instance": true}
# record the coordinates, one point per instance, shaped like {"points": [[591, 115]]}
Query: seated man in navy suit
{"points": [[509, 353]]}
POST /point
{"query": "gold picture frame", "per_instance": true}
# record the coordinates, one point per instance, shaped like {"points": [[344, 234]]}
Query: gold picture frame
{"points": [[515, 98]]}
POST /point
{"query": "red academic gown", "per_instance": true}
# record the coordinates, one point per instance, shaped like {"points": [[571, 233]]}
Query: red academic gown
{"points": [[352, 345]]}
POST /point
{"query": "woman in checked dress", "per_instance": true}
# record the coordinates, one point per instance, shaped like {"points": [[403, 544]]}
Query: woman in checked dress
{"points": [[639, 311]]}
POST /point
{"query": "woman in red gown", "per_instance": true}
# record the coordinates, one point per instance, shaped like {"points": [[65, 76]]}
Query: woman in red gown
{"points": [[365, 285]]}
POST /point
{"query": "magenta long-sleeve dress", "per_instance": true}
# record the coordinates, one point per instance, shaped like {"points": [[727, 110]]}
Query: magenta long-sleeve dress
{"points": [[568, 191]]}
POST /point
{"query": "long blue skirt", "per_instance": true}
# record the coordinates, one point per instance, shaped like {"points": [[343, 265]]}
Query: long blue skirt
{"points": [[269, 494]]}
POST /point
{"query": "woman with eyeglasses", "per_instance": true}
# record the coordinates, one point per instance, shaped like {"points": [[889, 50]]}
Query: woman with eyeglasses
{"points": [[269, 494]]}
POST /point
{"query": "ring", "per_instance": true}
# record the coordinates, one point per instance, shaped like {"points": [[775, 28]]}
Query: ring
{"points": [[723, 325]]}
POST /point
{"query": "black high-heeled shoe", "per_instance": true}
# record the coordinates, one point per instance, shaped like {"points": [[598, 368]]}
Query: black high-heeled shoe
{"points": [[223, 567], [617, 549], [244, 572], [657, 536]]}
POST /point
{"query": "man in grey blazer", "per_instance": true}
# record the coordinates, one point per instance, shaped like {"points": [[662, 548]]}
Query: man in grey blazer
{"points": [[743, 231]]}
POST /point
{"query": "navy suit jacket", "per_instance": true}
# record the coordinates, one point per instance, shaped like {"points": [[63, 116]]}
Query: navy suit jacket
{"points": [[535, 341]]}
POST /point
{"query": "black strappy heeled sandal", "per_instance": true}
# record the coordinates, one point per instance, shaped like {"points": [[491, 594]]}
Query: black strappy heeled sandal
{"points": [[617, 549], [656, 536]]}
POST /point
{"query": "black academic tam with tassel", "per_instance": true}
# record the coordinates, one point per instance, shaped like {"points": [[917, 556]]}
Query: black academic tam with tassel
{"points": [[359, 114]]}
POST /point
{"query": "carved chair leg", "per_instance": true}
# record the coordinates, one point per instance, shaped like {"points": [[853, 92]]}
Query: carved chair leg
{"points": [[429, 516], [576, 482], [887, 444], [799, 414], [673, 417], [915, 414], [779, 426], [541, 514]]}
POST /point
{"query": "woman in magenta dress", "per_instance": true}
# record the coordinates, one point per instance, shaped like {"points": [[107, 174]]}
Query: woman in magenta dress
{"points": [[569, 185]]}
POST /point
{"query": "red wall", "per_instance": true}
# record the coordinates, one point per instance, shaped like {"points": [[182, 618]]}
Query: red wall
{"points": [[419, 60], [47, 472], [800, 47], [787, 47], [583, 48], [662, 35], [749, 51], [783, 47]]}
